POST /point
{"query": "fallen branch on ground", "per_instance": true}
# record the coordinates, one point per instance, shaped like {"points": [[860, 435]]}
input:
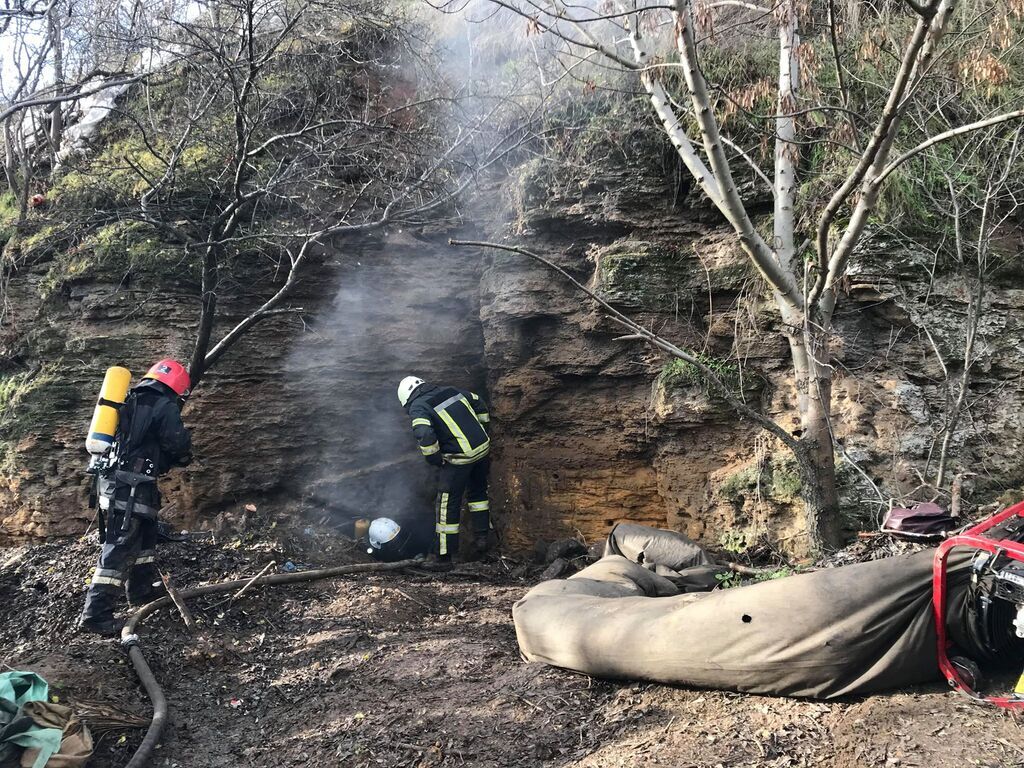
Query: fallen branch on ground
{"points": [[744, 570], [102, 717], [249, 583], [179, 603]]}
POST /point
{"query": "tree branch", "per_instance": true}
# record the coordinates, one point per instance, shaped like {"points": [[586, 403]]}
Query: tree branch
{"points": [[50, 100], [844, 86], [787, 152], [589, 43], [26, 13], [946, 136], [740, 4], [639, 331], [918, 56], [745, 156]]}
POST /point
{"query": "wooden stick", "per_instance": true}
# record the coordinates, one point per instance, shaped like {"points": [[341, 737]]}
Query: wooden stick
{"points": [[956, 493], [407, 745], [744, 570], [179, 603], [249, 583]]}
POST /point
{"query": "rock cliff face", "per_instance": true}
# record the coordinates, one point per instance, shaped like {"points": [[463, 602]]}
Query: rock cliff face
{"points": [[594, 430], [589, 430], [304, 411], [597, 430]]}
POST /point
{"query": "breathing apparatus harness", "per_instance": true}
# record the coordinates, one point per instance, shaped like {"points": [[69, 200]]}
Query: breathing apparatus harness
{"points": [[109, 471]]}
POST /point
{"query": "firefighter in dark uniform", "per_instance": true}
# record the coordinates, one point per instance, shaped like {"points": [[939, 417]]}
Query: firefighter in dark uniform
{"points": [[389, 541], [151, 439], [450, 426]]}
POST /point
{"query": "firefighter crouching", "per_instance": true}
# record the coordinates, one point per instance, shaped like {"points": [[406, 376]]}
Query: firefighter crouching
{"points": [[450, 426], [150, 439], [389, 540]]}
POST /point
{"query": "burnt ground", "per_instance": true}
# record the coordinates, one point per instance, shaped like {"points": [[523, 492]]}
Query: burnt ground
{"points": [[420, 669]]}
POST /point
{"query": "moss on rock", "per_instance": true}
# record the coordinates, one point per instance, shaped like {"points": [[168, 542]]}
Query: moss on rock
{"points": [[777, 478], [740, 484], [643, 275], [108, 253], [28, 402]]}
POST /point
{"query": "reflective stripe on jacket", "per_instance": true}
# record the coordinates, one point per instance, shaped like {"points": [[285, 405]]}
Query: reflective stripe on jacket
{"points": [[449, 424]]}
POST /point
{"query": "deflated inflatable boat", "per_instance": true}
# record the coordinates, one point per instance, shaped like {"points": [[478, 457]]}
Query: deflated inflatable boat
{"points": [[834, 632]]}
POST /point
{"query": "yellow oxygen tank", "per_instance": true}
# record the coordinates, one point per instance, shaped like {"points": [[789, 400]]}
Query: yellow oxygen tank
{"points": [[105, 417]]}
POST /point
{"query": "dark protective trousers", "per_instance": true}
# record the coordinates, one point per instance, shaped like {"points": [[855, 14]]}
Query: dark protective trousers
{"points": [[127, 562], [454, 482]]}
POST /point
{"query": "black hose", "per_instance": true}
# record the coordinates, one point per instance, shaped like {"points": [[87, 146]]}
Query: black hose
{"points": [[156, 695], [131, 641]]}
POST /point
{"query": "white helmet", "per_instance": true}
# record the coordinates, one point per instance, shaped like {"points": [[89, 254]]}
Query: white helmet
{"points": [[382, 530], [407, 387]]}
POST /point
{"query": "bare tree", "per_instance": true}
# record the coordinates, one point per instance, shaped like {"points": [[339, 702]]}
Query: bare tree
{"points": [[55, 32], [981, 210], [890, 60], [28, 54], [54, 55], [281, 127]]}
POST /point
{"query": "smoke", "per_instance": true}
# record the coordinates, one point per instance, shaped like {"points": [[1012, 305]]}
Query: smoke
{"points": [[519, 47], [408, 305], [402, 307]]}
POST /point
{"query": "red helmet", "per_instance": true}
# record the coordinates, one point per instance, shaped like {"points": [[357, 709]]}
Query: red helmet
{"points": [[173, 374]]}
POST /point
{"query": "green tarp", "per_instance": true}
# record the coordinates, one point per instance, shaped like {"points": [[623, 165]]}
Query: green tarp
{"points": [[18, 729], [47, 734]]}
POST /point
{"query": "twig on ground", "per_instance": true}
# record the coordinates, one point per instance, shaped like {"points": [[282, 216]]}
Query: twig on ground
{"points": [[407, 745], [527, 701], [249, 583], [744, 570], [179, 603], [102, 717]]}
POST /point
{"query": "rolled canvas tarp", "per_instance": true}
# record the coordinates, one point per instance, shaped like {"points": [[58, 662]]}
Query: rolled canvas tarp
{"points": [[654, 548], [672, 555], [834, 632]]}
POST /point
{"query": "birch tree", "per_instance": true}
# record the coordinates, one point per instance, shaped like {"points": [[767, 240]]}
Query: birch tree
{"points": [[919, 55]]}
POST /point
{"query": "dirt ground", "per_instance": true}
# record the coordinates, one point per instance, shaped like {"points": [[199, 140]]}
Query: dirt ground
{"points": [[421, 669]]}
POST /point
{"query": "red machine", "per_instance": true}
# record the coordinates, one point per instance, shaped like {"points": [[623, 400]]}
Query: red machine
{"points": [[997, 573]]}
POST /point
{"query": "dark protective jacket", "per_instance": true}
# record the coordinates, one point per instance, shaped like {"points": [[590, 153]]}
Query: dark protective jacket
{"points": [[151, 438], [450, 424]]}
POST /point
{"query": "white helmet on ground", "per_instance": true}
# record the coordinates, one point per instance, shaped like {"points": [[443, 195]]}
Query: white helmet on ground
{"points": [[407, 387], [382, 530]]}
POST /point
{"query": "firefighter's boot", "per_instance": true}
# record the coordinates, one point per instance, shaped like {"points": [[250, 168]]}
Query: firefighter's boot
{"points": [[104, 627]]}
